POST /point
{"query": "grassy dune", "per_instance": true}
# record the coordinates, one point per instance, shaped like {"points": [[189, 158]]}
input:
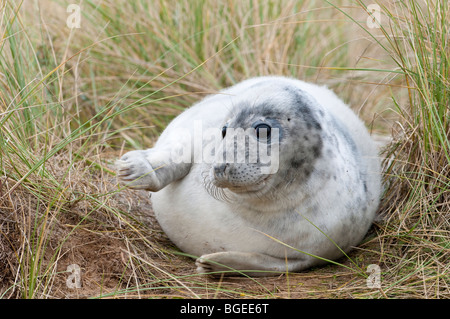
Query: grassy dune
{"points": [[74, 99]]}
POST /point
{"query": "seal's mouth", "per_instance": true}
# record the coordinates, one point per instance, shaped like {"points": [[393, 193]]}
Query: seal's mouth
{"points": [[239, 189], [224, 190]]}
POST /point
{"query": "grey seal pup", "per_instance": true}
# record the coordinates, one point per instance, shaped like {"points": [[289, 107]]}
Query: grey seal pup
{"points": [[311, 200]]}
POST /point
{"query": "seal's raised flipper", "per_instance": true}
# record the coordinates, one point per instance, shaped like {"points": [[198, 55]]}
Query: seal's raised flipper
{"points": [[252, 264], [150, 169]]}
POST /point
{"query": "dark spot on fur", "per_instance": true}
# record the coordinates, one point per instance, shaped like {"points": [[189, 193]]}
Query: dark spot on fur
{"points": [[297, 163], [317, 150]]}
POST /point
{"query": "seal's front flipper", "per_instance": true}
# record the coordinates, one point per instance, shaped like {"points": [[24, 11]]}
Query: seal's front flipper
{"points": [[252, 264], [150, 169]]}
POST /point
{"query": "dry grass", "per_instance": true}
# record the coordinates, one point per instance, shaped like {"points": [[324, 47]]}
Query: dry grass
{"points": [[71, 101]]}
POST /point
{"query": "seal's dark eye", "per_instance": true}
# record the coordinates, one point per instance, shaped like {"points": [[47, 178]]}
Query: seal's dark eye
{"points": [[263, 131], [224, 131]]}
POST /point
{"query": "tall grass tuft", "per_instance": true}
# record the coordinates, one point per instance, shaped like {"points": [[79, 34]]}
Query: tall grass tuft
{"points": [[417, 204], [49, 157]]}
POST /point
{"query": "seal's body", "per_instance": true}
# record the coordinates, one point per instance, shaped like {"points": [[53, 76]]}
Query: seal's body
{"points": [[316, 203]]}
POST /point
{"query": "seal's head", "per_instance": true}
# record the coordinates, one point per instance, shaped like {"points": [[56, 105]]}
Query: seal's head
{"points": [[271, 139]]}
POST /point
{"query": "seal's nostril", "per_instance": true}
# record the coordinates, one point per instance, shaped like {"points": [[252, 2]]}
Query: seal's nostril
{"points": [[220, 169]]}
